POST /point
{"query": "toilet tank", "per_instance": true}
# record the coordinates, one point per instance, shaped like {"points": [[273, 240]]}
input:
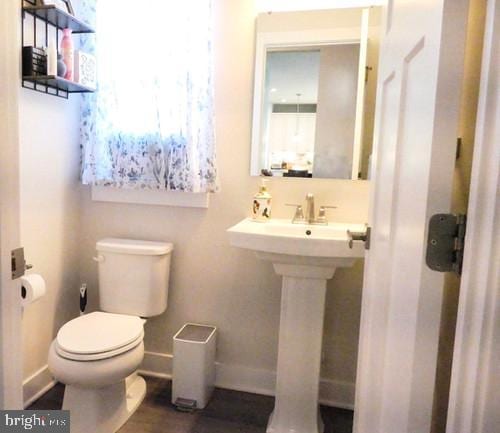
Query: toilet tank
{"points": [[133, 276]]}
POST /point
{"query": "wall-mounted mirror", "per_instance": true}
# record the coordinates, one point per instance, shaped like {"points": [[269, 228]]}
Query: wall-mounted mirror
{"points": [[314, 97]]}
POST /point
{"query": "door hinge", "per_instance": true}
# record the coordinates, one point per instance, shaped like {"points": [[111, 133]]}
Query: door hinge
{"points": [[445, 243]]}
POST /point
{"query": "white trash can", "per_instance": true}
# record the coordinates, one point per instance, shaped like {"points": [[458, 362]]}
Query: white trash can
{"points": [[193, 375]]}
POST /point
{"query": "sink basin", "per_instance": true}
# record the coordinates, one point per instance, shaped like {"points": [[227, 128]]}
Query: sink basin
{"points": [[306, 256], [282, 237]]}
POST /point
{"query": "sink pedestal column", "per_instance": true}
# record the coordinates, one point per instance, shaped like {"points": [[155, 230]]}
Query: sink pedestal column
{"points": [[299, 354], [306, 257]]}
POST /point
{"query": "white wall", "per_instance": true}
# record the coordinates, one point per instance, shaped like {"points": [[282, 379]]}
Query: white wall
{"points": [[210, 281], [50, 218]]}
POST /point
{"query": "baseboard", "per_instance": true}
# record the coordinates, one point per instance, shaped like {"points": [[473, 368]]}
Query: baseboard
{"points": [[36, 385], [239, 378], [258, 381], [156, 364]]}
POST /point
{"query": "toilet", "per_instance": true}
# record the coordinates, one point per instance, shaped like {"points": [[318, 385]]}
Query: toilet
{"points": [[97, 355]]}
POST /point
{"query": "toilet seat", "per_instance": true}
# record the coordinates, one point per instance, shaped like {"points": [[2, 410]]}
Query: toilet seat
{"points": [[99, 335]]}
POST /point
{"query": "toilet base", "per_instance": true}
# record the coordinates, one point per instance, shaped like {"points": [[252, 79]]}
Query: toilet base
{"points": [[104, 410]]}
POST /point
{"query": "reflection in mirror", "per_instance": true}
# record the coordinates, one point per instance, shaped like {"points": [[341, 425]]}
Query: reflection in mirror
{"points": [[313, 109]]}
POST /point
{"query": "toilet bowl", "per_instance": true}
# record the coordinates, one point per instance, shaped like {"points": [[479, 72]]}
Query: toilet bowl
{"points": [[97, 355]]}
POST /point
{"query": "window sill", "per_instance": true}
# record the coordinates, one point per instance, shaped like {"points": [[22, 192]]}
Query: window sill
{"points": [[150, 197]]}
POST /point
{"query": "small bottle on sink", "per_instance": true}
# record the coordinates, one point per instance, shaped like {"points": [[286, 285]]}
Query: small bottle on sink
{"points": [[262, 201]]}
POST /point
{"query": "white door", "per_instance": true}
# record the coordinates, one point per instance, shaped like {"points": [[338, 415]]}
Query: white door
{"points": [[420, 77], [475, 383], [10, 299]]}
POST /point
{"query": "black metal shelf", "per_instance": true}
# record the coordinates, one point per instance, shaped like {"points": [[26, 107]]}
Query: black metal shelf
{"points": [[58, 18], [51, 17], [56, 83]]}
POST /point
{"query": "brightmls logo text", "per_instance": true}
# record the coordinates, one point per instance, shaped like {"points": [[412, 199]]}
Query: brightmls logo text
{"points": [[35, 421]]}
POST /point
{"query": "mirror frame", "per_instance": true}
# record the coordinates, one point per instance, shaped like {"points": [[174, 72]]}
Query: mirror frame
{"points": [[308, 38]]}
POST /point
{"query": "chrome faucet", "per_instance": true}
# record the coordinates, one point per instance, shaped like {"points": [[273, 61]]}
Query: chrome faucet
{"points": [[310, 215]]}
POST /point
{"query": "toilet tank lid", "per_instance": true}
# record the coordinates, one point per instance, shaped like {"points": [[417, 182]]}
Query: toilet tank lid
{"points": [[132, 246]]}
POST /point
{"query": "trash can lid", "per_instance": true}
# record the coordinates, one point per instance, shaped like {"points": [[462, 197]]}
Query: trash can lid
{"points": [[195, 333]]}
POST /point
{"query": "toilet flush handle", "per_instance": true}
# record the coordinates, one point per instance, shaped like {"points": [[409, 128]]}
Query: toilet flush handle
{"points": [[98, 259]]}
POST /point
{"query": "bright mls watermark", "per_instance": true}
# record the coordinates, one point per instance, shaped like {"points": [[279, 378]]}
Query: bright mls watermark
{"points": [[35, 421]]}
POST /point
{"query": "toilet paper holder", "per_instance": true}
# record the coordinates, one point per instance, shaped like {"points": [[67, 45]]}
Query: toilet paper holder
{"points": [[18, 263]]}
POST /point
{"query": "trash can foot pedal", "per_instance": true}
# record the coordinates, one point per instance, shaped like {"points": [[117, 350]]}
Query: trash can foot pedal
{"points": [[185, 405]]}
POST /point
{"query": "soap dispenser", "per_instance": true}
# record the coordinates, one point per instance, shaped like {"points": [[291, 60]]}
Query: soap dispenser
{"points": [[261, 208]]}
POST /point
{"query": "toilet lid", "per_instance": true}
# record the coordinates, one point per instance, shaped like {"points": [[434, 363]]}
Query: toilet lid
{"points": [[99, 335]]}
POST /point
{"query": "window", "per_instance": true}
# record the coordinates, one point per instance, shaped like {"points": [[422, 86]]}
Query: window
{"points": [[150, 125]]}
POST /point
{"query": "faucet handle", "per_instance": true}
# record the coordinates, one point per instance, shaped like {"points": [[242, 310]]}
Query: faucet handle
{"points": [[322, 214], [299, 213]]}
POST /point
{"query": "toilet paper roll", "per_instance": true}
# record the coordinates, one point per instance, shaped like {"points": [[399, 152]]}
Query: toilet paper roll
{"points": [[33, 288]]}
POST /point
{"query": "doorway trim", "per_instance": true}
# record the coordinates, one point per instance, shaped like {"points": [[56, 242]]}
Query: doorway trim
{"points": [[10, 305], [474, 396]]}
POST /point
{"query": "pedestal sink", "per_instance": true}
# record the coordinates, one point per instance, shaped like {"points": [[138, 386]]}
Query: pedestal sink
{"points": [[306, 256]]}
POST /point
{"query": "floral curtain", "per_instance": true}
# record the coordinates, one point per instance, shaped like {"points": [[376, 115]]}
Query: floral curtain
{"points": [[150, 125]]}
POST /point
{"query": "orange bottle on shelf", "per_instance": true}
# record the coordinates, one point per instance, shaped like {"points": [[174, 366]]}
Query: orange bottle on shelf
{"points": [[67, 51]]}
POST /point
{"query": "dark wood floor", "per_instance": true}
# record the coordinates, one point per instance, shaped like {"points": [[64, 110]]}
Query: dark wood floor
{"points": [[227, 412]]}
